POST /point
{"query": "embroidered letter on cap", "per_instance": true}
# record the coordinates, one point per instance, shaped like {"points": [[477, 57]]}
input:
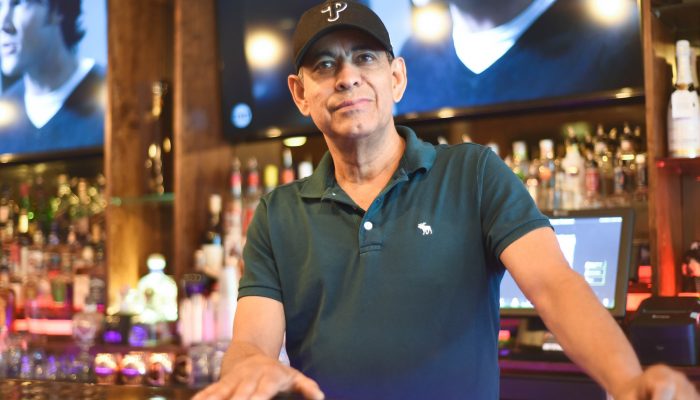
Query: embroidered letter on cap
{"points": [[334, 10]]}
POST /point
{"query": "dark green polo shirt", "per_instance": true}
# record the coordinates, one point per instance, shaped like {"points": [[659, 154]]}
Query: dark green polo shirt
{"points": [[400, 301]]}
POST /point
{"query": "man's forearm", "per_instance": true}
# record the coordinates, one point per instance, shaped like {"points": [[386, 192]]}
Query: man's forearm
{"points": [[588, 333]]}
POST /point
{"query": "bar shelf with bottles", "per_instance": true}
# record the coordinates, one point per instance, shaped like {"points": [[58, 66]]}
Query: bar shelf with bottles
{"points": [[607, 168], [149, 339]]}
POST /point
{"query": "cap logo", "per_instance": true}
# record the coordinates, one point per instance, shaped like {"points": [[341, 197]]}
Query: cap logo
{"points": [[334, 10]]}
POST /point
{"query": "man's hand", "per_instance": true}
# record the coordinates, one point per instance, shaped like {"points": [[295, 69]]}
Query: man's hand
{"points": [[659, 382], [260, 377]]}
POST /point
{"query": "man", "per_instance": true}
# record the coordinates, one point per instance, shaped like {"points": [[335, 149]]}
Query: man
{"points": [[383, 267], [517, 50], [57, 102]]}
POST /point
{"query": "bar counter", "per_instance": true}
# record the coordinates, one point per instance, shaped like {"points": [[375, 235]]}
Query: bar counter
{"points": [[11, 389]]}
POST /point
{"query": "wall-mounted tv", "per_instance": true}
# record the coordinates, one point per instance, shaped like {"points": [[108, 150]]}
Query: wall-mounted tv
{"points": [[53, 57], [461, 56]]}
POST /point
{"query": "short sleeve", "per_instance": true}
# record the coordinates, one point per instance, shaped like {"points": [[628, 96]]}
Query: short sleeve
{"points": [[261, 276], [507, 210]]}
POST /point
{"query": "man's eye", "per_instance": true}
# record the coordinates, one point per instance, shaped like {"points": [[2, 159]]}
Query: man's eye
{"points": [[324, 65], [366, 57]]}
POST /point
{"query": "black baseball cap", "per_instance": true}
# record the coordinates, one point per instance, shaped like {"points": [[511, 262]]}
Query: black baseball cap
{"points": [[332, 15]]}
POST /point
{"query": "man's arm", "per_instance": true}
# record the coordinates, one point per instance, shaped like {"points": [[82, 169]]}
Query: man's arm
{"points": [[250, 368], [585, 329]]}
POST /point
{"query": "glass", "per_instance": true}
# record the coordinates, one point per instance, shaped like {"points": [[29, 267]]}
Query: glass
{"points": [[200, 355], [133, 368], [106, 368], [160, 369]]}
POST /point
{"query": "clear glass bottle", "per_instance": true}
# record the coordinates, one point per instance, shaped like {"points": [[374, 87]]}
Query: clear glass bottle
{"points": [[684, 108], [603, 157], [212, 242], [287, 174], [574, 168], [546, 174], [163, 288], [520, 160], [626, 155]]}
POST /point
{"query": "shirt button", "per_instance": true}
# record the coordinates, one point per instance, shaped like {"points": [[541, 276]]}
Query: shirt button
{"points": [[368, 226]]}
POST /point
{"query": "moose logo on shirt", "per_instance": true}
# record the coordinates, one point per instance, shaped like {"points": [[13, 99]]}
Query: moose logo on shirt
{"points": [[425, 229]]}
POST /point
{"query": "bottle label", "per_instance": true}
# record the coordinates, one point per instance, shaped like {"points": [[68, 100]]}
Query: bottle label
{"points": [[684, 104], [684, 130], [592, 181]]}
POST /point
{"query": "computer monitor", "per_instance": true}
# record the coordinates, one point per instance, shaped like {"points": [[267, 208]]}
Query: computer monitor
{"points": [[598, 245]]}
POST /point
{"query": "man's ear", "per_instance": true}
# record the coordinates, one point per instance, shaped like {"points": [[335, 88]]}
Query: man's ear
{"points": [[54, 17], [399, 78], [296, 87]]}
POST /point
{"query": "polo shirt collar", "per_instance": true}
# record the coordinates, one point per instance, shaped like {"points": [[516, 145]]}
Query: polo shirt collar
{"points": [[417, 156]]}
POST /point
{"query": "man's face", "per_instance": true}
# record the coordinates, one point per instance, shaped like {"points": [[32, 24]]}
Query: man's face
{"points": [[28, 34], [348, 85]]}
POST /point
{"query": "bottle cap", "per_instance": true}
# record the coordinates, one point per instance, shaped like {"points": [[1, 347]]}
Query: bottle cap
{"points": [[215, 203], [156, 262], [682, 48]]}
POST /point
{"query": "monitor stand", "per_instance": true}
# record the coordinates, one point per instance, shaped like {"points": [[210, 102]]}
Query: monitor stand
{"points": [[534, 341]]}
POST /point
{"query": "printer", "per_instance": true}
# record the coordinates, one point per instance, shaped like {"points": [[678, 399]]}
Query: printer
{"points": [[665, 330]]}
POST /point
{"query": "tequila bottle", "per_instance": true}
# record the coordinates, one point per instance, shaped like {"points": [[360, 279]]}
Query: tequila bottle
{"points": [[161, 288]]}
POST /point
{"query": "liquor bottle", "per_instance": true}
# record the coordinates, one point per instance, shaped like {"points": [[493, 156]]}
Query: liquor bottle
{"points": [[603, 157], [270, 177], [684, 108], [233, 227], [592, 182], [159, 288], [212, 242], [532, 181], [61, 206], [41, 204], [546, 174], [98, 273], [639, 142], [305, 169], [213, 233], [642, 179], [287, 174], [520, 160], [6, 214], [252, 193], [159, 160], [626, 155], [81, 212], [574, 167], [7, 302], [619, 197]]}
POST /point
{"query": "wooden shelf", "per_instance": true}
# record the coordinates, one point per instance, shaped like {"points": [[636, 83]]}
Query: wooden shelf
{"points": [[682, 18], [681, 166], [165, 198]]}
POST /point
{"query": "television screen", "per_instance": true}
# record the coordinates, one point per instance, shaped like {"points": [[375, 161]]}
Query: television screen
{"points": [[598, 245], [460, 56], [53, 57]]}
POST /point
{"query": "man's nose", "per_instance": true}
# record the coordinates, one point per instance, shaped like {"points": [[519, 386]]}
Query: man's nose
{"points": [[6, 18], [347, 76]]}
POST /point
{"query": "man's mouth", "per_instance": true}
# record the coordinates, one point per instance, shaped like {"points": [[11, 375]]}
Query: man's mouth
{"points": [[349, 104], [8, 48]]}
